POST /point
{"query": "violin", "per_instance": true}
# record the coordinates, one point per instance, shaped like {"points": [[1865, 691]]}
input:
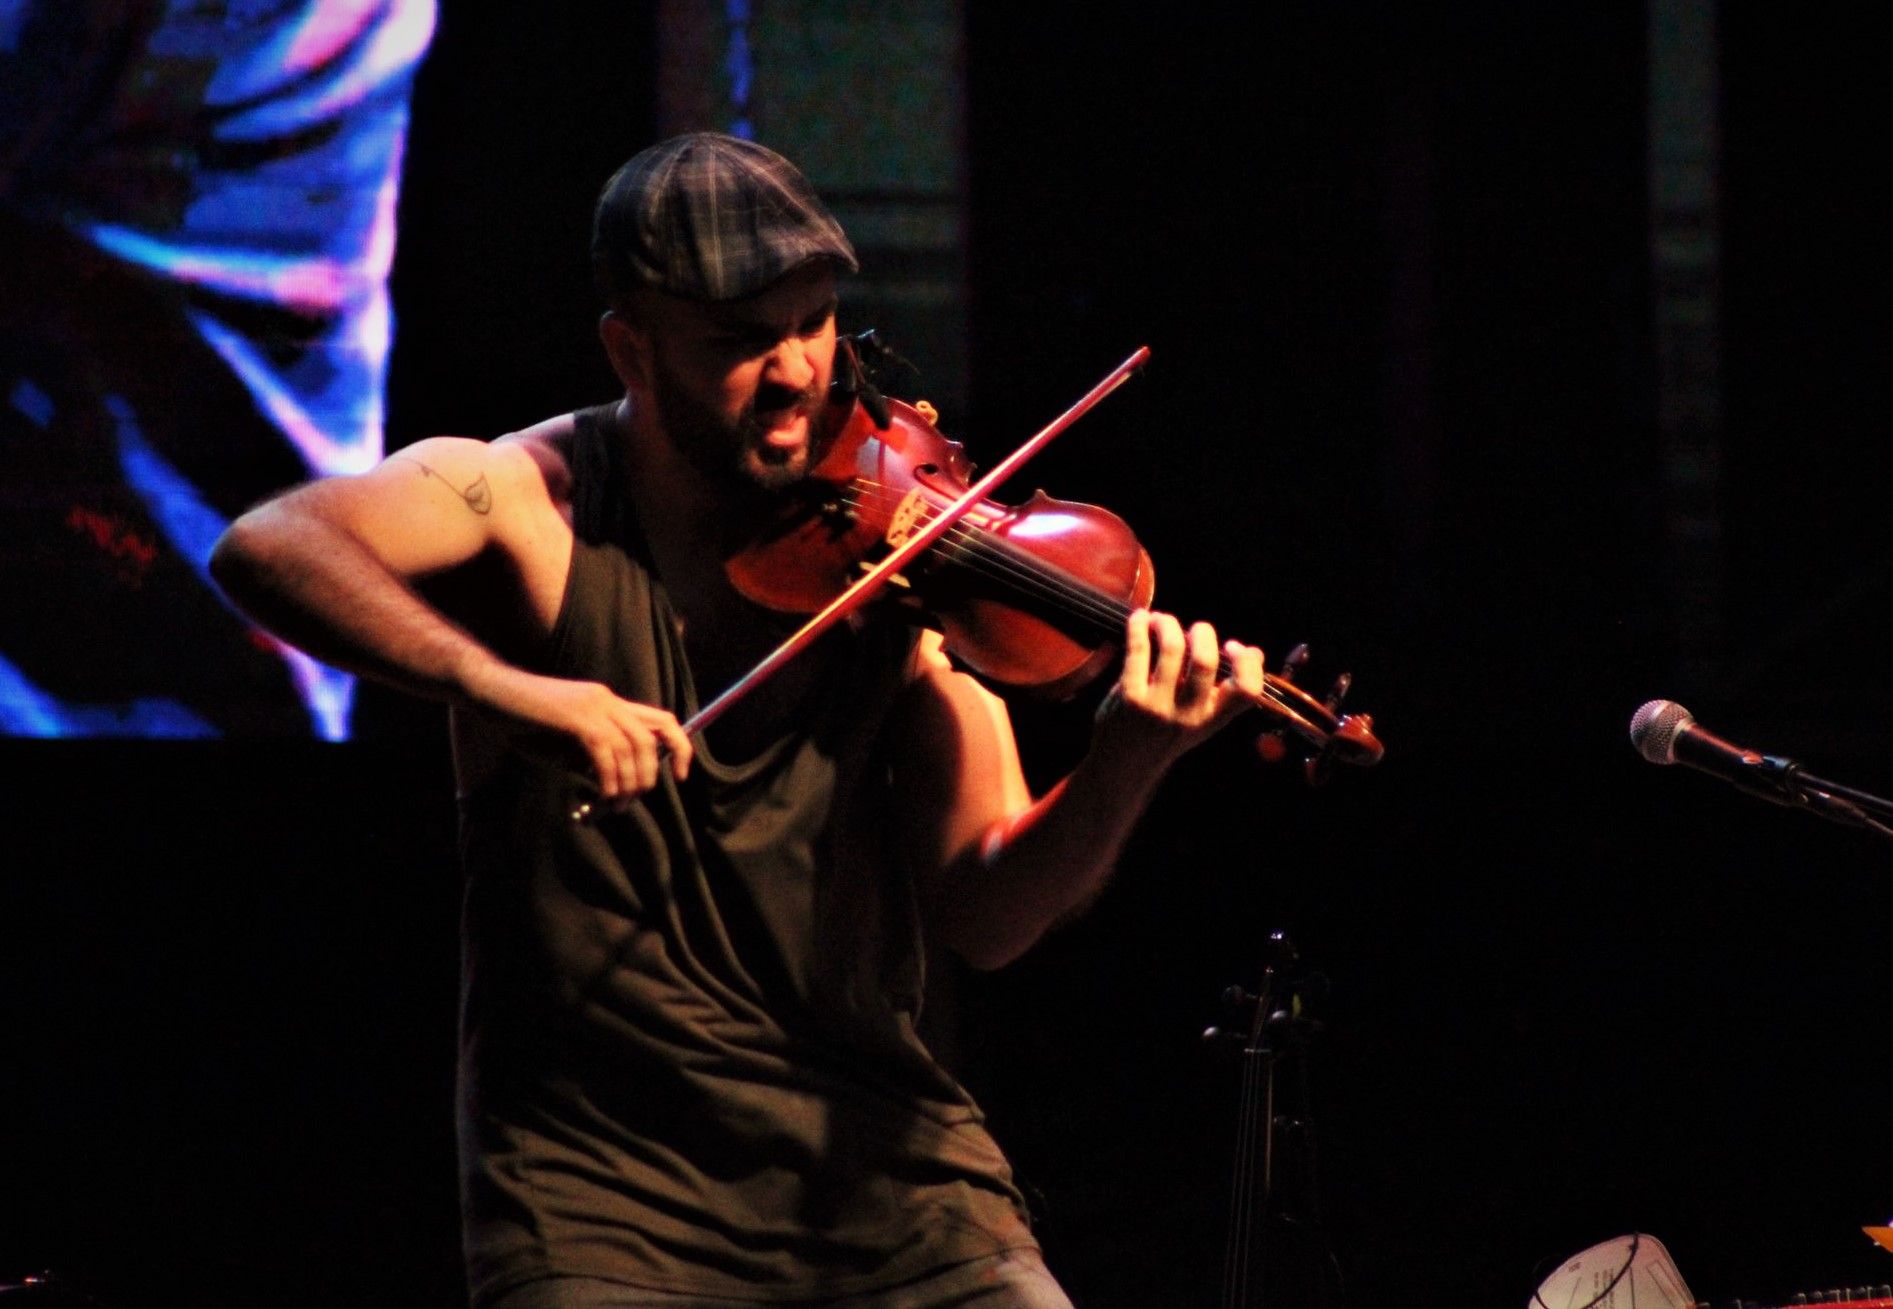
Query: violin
{"points": [[1028, 596]]}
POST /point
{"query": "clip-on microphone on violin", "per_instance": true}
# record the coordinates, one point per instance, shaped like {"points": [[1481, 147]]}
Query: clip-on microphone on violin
{"points": [[851, 382]]}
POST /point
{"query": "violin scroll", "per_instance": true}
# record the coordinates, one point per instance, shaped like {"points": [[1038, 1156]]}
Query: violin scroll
{"points": [[1337, 738]]}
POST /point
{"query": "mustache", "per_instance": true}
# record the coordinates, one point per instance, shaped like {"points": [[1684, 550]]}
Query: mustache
{"points": [[773, 398]]}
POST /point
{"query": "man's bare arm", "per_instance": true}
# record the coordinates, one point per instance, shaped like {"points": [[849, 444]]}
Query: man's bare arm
{"points": [[330, 567], [997, 869]]}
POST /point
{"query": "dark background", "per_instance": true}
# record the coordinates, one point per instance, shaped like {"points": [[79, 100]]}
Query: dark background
{"points": [[1395, 274]]}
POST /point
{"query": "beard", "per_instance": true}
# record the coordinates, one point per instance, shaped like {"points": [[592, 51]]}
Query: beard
{"points": [[731, 453]]}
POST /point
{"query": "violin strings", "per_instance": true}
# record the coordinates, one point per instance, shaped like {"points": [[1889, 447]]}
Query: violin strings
{"points": [[976, 548], [982, 551]]}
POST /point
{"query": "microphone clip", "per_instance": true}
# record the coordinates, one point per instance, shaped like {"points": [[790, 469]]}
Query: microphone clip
{"points": [[854, 377]]}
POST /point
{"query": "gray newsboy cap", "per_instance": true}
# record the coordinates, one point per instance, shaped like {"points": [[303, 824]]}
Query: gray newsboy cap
{"points": [[710, 217]]}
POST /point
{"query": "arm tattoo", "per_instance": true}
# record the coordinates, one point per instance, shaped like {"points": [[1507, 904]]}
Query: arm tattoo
{"points": [[478, 495]]}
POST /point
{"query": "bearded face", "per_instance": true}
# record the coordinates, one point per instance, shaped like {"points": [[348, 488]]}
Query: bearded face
{"points": [[737, 390], [732, 451]]}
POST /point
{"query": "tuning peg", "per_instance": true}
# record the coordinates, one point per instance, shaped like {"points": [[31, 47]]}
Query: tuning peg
{"points": [[1321, 767], [1296, 661], [1272, 745], [1338, 692], [1292, 1026]]}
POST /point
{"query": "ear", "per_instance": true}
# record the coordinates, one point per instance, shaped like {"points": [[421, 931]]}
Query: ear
{"points": [[629, 350]]}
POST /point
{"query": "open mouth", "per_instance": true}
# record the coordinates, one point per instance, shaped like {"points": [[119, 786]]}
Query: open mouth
{"points": [[785, 430]]}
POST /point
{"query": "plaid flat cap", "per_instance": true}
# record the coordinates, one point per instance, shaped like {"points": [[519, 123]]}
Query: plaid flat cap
{"points": [[710, 217]]}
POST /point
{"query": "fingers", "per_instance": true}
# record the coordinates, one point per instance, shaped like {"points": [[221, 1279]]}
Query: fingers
{"points": [[1172, 647], [1154, 652], [628, 745], [652, 741], [1200, 679], [1171, 677], [1244, 686], [624, 758], [678, 744], [1136, 670], [644, 770], [631, 745], [1165, 666], [1245, 663]]}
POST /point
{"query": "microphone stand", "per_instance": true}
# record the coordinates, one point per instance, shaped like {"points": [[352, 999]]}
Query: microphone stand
{"points": [[1841, 804], [1274, 1257]]}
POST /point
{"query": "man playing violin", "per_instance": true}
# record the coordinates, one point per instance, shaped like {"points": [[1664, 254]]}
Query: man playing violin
{"points": [[689, 1071]]}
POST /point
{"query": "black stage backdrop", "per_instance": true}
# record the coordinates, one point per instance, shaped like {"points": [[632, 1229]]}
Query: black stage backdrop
{"points": [[1402, 405]]}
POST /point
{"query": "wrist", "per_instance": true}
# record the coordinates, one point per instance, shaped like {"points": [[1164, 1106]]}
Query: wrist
{"points": [[1128, 759], [1131, 745], [478, 678]]}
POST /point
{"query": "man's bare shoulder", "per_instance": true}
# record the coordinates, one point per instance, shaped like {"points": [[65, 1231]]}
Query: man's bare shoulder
{"points": [[518, 488], [542, 453], [523, 471]]}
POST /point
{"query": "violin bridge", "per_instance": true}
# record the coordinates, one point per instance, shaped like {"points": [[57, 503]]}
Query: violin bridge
{"points": [[906, 518]]}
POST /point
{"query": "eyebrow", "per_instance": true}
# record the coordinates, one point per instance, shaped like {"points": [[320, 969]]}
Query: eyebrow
{"points": [[821, 312], [740, 322]]}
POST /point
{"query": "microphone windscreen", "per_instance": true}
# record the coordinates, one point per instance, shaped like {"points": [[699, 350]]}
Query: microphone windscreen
{"points": [[1654, 728]]}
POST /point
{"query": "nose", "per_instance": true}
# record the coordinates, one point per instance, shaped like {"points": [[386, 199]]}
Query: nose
{"points": [[792, 363]]}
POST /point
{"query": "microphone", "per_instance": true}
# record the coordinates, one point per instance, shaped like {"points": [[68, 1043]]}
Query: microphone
{"points": [[1666, 733]]}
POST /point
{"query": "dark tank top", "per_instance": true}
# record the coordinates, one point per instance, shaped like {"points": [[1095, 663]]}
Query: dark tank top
{"points": [[688, 1056]]}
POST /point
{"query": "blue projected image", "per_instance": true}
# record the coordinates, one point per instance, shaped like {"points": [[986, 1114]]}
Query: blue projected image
{"points": [[197, 214]]}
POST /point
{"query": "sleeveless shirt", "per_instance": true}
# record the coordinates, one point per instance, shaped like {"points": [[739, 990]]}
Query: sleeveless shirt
{"points": [[688, 1053]]}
